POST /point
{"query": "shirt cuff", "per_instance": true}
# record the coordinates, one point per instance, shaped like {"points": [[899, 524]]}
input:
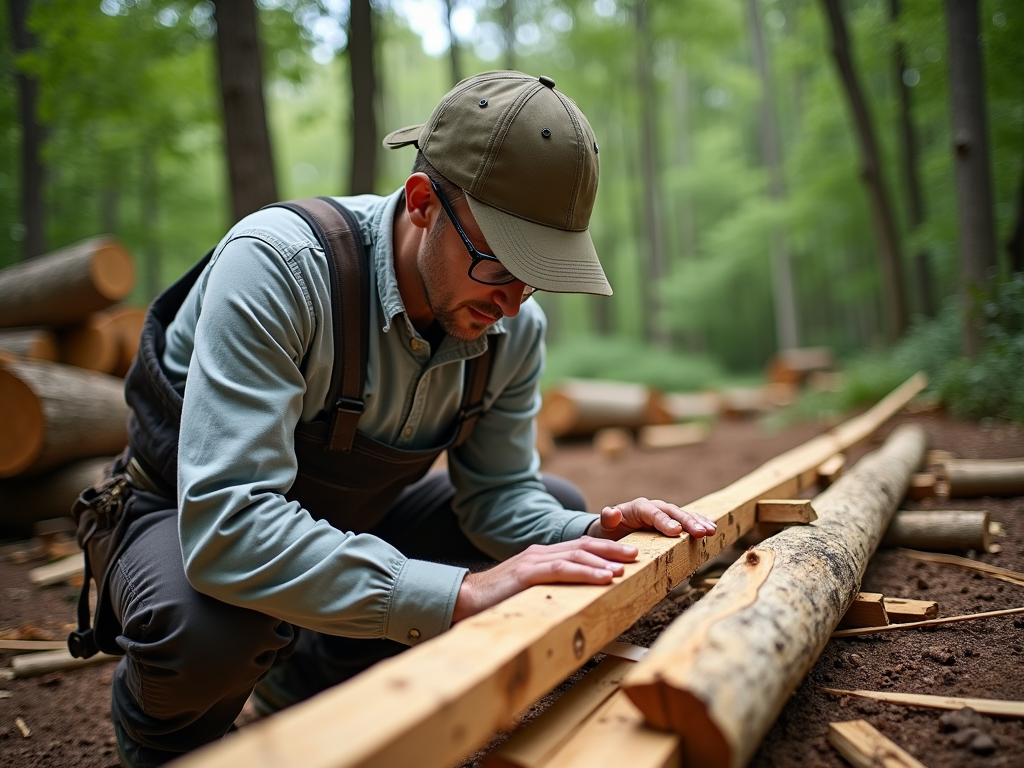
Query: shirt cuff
{"points": [[578, 526], [422, 601]]}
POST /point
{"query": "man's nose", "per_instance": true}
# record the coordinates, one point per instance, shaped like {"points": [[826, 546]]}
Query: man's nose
{"points": [[509, 297]]}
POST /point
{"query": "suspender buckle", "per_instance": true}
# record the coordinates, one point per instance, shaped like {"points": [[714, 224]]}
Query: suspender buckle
{"points": [[349, 405]]}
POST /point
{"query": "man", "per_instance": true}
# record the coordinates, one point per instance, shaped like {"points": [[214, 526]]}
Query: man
{"points": [[264, 537]]}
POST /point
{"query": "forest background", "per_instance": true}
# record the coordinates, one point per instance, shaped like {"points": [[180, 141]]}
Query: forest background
{"points": [[740, 208]]}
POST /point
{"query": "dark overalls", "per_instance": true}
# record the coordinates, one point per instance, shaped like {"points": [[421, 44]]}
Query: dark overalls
{"points": [[191, 660]]}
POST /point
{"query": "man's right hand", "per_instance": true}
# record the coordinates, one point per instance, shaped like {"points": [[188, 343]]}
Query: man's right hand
{"points": [[580, 561]]}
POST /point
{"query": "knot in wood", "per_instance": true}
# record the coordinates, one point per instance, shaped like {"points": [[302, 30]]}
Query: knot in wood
{"points": [[753, 558], [578, 644]]}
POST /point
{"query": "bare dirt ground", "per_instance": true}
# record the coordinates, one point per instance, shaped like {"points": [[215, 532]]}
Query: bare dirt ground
{"points": [[68, 713]]}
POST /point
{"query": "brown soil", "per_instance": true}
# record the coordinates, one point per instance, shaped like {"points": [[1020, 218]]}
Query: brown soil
{"points": [[68, 713]]}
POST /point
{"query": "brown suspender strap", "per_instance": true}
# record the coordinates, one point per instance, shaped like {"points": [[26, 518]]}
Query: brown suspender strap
{"points": [[473, 388], [339, 234]]}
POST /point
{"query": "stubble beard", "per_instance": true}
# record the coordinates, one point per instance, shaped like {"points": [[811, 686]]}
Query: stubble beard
{"points": [[448, 311]]}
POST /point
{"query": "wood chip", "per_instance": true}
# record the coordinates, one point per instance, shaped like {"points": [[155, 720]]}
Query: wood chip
{"points": [[22, 727], [864, 747]]}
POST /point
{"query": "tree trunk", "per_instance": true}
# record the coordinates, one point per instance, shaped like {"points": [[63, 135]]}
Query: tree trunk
{"points": [[151, 220], [871, 169], [722, 672], [453, 47], [247, 139], [508, 29], [1015, 245], [657, 323], [364, 97], [27, 501], [63, 287], [33, 173], [55, 414], [971, 161], [787, 333], [911, 178]]}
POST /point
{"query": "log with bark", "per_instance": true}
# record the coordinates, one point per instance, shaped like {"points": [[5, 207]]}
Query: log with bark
{"points": [[33, 343], [93, 344], [580, 408], [793, 366], [63, 287], [977, 477], [128, 322], [26, 500], [721, 673], [53, 414], [945, 530]]}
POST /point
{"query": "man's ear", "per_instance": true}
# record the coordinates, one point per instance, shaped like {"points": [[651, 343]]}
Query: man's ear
{"points": [[420, 202]]}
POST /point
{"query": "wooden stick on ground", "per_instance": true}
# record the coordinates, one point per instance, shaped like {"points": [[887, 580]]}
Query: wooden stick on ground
{"points": [[55, 413], [55, 573], [1003, 574], [63, 287], [928, 623], [721, 673], [433, 704], [864, 747], [30, 646], [992, 707], [976, 477], [940, 530], [35, 664]]}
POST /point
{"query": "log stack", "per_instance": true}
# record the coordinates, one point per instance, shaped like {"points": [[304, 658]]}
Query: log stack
{"points": [[64, 341]]}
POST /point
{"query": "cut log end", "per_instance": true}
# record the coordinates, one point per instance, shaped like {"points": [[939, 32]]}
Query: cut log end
{"points": [[21, 416], [94, 345], [112, 271]]}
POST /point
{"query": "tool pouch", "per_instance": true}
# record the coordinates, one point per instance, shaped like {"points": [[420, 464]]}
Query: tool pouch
{"points": [[100, 515]]}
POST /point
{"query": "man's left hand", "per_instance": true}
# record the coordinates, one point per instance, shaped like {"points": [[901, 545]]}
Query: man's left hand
{"points": [[644, 514]]}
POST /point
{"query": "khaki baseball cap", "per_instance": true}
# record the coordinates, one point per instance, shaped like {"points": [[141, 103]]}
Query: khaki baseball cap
{"points": [[527, 159]]}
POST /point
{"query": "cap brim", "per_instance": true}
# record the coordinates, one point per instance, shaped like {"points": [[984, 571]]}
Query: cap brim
{"points": [[403, 137], [546, 258]]}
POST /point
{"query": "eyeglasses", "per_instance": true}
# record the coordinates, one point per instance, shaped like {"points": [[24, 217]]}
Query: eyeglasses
{"points": [[485, 268]]}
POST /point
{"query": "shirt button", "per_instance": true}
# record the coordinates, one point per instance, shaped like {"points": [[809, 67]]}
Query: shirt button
{"points": [[407, 431], [414, 634]]}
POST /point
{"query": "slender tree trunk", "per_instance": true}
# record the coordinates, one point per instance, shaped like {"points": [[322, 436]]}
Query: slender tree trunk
{"points": [[787, 334], [33, 174], [453, 47], [364, 97], [508, 28], [151, 220], [911, 177], [1015, 245], [684, 159], [871, 170], [971, 161], [659, 333], [247, 138]]}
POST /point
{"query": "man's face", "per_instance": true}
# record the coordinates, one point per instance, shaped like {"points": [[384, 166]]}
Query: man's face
{"points": [[463, 307]]}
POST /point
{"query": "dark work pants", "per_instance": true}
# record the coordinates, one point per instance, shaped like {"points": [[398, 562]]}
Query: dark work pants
{"points": [[191, 660]]}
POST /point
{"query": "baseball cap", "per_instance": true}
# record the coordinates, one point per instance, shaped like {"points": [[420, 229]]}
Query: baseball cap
{"points": [[527, 159]]}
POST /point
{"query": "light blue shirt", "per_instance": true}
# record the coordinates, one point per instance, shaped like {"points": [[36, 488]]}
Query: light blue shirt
{"points": [[254, 340]]}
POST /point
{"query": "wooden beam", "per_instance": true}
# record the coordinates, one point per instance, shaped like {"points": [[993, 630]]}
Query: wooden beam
{"points": [[922, 486], [928, 623], [864, 747], [617, 736], [533, 745], [991, 707], [720, 674], [55, 573], [901, 610], [1003, 574], [433, 704], [657, 436], [868, 610], [35, 664], [785, 511], [976, 477], [832, 469], [940, 530]]}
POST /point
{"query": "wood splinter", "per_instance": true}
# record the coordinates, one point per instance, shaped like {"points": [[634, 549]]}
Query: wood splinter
{"points": [[992, 707], [864, 747], [786, 511]]}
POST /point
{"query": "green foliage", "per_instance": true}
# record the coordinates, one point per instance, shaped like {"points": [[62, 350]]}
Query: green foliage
{"points": [[617, 359]]}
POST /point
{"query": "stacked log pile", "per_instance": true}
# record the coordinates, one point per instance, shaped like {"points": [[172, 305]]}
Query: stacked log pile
{"points": [[64, 342]]}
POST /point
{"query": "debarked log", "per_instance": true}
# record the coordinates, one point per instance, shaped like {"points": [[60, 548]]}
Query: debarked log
{"points": [[580, 408], [63, 287], [722, 672], [945, 530], [53, 414], [977, 477]]}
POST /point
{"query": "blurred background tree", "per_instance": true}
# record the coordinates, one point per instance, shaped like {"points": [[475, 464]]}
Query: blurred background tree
{"points": [[734, 215]]}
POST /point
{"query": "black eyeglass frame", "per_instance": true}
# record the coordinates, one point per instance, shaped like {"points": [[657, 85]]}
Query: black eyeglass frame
{"points": [[474, 253]]}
